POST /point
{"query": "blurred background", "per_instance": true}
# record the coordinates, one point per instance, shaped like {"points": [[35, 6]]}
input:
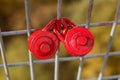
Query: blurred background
{"points": [[12, 17]]}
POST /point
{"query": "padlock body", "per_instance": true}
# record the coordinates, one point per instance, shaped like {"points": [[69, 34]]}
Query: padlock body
{"points": [[79, 41], [43, 44]]}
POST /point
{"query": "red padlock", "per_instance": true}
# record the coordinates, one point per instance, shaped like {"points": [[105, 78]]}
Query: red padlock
{"points": [[42, 43], [78, 41]]}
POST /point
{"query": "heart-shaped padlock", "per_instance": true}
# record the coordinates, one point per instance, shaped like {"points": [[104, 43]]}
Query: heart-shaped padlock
{"points": [[43, 43]]}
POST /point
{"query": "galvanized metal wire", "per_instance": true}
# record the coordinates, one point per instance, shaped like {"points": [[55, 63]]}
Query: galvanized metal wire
{"points": [[4, 57], [28, 25], [110, 41], [87, 26], [31, 62], [59, 11]]}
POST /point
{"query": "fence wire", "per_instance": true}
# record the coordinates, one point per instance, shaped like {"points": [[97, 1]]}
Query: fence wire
{"points": [[56, 60]]}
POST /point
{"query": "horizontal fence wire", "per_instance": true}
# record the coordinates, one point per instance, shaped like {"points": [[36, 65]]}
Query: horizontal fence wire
{"points": [[115, 77], [20, 32], [58, 59]]}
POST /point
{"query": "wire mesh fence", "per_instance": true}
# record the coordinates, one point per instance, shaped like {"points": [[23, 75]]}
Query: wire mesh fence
{"points": [[58, 59]]}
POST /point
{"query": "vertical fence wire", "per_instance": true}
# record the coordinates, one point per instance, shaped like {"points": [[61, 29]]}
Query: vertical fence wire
{"points": [[110, 42], [87, 26], [90, 7], [59, 9], [4, 57], [56, 73], [28, 25], [80, 68]]}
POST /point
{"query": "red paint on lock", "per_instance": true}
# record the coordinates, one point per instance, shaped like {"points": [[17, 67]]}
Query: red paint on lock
{"points": [[79, 41], [82, 40], [44, 47], [43, 44]]}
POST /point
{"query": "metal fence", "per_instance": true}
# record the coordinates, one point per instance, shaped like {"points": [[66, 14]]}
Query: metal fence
{"points": [[56, 60]]}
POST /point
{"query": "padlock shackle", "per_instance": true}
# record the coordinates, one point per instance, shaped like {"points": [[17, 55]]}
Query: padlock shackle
{"points": [[49, 25], [57, 32], [57, 27], [66, 22], [65, 28], [56, 24], [71, 24]]}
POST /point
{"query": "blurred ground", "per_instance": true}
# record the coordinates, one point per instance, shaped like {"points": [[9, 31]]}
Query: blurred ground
{"points": [[12, 17]]}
